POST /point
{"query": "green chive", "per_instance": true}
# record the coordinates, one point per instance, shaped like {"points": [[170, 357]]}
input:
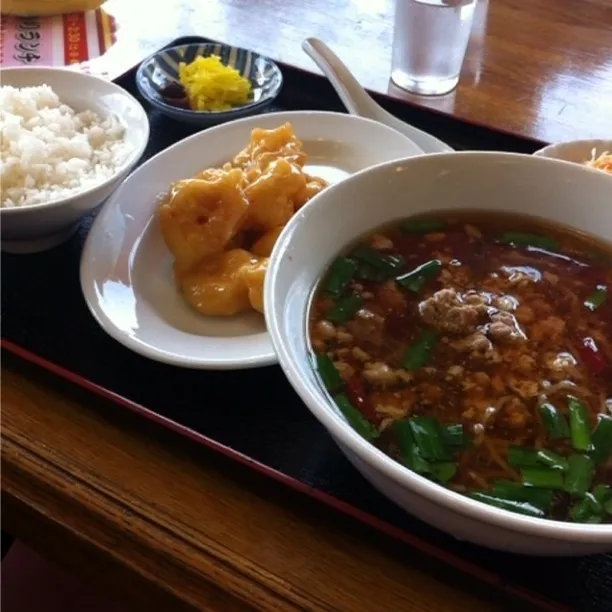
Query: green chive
{"points": [[553, 460], [340, 274], [403, 433], [596, 299], [554, 421], [409, 450], [443, 471], [532, 458], [419, 352], [426, 435], [368, 272], [587, 510], [508, 504], [522, 457], [607, 505], [422, 226], [579, 424], [542, 478], [453, 435], [415, 279], [345, 309], [415, 461], [377, 259], [581, 512], [594, 519], [580, 474], [542, 498], [602, 493], [535, 240], [355, 419], [596, 507], [329, 375], [601, 439]]}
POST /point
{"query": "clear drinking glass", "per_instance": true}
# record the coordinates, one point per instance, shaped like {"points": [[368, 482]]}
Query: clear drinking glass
{"points": [[429, 43]]}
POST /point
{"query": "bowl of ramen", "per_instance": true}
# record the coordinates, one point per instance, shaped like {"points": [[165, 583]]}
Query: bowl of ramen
{"points": [[454, 335]]}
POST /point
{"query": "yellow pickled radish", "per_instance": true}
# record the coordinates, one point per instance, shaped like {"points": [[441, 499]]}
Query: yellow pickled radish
{"points": [[212, 86]]}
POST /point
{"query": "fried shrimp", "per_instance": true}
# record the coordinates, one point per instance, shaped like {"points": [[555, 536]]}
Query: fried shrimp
{"points": [[221, 225], [264, 245], [271, 195], [266, 146], [200, 217], [229, 284], [312, 186]]}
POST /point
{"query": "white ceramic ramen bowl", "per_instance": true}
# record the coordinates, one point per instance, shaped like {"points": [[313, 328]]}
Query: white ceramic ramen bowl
{"points": [[558, 191], [28, 229]]}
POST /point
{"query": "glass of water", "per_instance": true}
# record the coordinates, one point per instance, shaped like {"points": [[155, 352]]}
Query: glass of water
{"points": [[429, 43]]}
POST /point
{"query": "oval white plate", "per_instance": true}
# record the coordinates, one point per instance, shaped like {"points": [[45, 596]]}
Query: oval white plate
{"points": [[126, 269]]}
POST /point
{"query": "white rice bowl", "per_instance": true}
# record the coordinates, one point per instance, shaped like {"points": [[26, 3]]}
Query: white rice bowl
{"points": [[68, 141], [49, 151]]}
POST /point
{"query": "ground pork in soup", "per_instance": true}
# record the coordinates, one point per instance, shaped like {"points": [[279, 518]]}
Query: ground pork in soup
{"points": [[476, 349]]}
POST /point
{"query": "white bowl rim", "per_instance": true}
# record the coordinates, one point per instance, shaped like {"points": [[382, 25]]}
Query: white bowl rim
{"points": [[595, 142], [366, 451], [125, 167]]}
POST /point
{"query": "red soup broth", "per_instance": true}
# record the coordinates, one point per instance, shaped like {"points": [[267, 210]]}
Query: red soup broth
{"points": [[475, 348]]}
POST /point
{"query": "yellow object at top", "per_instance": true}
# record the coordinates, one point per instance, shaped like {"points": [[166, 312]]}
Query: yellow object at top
{"points": [[212, 86], [43, 8]]}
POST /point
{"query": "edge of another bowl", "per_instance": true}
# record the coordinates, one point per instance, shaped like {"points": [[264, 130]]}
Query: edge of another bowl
{"points": [[576, 151]]}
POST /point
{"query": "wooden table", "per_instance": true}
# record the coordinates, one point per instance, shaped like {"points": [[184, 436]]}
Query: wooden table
{"points": [[170, 526], [539, 68]]}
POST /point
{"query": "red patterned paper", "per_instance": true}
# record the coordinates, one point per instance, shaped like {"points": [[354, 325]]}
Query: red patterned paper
{"points": [[59, 40]]}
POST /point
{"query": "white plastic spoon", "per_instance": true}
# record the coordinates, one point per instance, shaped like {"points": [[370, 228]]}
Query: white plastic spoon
{"points": [[359, 102]]}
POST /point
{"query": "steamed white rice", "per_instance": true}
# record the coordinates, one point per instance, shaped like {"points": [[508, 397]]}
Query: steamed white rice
{"points": [[49, 151]]}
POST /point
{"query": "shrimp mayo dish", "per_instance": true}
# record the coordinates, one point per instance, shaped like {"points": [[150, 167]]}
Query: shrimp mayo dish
{"points": [[222, 224]]}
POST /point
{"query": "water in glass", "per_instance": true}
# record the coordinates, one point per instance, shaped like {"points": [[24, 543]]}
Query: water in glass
{"points": [[429, 43]]}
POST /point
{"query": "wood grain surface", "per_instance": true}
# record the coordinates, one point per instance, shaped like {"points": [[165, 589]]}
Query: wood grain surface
{"points": [[171, 526], [538, 68]]}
